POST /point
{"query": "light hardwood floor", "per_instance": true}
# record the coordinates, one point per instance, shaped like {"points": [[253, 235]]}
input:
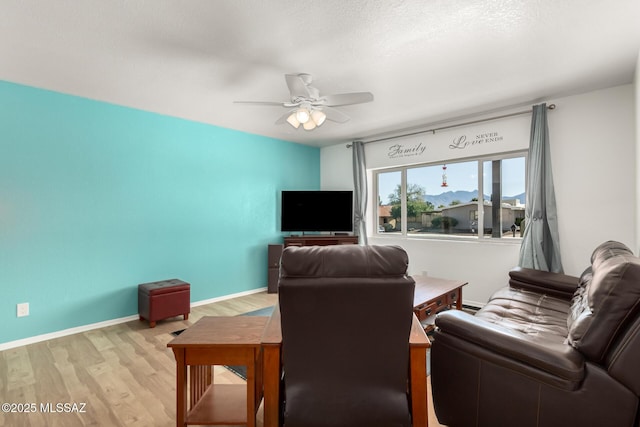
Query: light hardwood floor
{"points": [[121, 375]]}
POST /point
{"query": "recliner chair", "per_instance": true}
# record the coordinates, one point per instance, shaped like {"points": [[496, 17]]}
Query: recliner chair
{"points": [[548, 350], [349, 339]]}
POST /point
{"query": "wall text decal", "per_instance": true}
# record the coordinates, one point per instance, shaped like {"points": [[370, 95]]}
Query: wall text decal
{"points": [[461, 142], [399, 150], [449, 145]]}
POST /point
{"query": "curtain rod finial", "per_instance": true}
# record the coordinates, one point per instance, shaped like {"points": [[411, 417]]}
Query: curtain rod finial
{"points": [[552, 106]]}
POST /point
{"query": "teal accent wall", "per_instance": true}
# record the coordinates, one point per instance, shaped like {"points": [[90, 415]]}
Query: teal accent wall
{"points": [[96, 198]]}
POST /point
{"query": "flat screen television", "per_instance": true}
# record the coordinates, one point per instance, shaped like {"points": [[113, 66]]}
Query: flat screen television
{"points": [[308, 211]]}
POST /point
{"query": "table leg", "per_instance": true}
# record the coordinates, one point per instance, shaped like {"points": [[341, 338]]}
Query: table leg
{"points": [[181, 387], [259, 376], [251, 396], [418, 384], [271, 360], [459, 300]]}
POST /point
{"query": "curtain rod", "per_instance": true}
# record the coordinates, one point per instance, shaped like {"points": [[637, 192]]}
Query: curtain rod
{"points": [[434, 130]]}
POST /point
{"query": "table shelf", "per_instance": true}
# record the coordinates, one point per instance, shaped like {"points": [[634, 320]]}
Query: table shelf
{"points": [[221, 404]]}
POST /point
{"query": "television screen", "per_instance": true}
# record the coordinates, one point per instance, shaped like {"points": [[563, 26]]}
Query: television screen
{"points": [[317, 211]]}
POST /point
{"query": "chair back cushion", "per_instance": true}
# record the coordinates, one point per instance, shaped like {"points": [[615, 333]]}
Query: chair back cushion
{"points": [[344, 261], [346, 314], [606, 301]]}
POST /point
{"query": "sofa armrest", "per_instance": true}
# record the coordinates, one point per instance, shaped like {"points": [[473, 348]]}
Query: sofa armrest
{"points": [[555, 284], [555, 363]]}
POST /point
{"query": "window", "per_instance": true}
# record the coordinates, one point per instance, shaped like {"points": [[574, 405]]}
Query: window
{"points": [[389, 205], [443, 199], [504, 186]]}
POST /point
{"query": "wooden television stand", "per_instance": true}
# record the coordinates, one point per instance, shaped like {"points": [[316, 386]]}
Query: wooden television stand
{"points": [[275, 251], [320, 240]]}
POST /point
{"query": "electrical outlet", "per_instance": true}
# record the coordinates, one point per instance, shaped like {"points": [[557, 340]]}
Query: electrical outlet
{"points": [[23, 309]]}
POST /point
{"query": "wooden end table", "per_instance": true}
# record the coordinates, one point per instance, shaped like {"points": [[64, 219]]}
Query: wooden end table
{"points": [[433, 295], [218, 341]]}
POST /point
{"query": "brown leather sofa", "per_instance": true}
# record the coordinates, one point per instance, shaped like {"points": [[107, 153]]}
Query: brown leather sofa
{"points": [[353, 353], [548, 350]]}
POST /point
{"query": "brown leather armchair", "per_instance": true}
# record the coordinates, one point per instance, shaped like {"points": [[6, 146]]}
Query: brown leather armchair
{"points": [[548, 350], [353, 353]]}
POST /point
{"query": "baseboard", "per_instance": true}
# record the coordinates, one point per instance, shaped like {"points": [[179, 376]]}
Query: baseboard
{"points": [[103, 324], [226, 297], [65, 332], [473, 304]]}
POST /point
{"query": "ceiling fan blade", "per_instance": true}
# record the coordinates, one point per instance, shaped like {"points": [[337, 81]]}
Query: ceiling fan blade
{"points": [[279, 104], [284, 117], [347, 98], [335, 115], [297, 86]]}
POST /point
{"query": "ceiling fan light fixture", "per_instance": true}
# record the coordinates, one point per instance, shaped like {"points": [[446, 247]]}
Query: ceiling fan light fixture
{"points": [[307, 105], [302, 115], [293, 121], [318, 117]]}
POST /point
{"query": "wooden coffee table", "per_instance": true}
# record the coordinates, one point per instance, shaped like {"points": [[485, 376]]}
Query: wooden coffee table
{"points": [[433, 295], [218, 341]]}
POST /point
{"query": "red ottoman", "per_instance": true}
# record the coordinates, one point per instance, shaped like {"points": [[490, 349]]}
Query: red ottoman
{"points": [[164, 299]]}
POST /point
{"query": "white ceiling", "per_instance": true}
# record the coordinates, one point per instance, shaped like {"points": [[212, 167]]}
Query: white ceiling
{"points": [[424, 60]]}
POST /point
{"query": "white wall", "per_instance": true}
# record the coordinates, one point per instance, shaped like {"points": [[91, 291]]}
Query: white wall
{"points": [[593, 154], [636, 81], [594, 162], [336, 168]]}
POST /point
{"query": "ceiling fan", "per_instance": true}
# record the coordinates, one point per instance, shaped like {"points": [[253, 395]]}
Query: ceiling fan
{"points": [[308, 108]]}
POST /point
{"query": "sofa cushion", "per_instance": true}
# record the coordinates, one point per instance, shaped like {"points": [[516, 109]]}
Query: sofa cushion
{"points": [[602, 253], [605, 301], [607, 250], [541, 317]]}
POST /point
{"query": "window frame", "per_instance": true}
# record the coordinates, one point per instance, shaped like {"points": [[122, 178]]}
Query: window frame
{"points": [[404, 233]]}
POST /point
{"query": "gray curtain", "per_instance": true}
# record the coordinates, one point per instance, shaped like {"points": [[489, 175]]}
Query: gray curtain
{"points": [[360, 191], [540, 248]]}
